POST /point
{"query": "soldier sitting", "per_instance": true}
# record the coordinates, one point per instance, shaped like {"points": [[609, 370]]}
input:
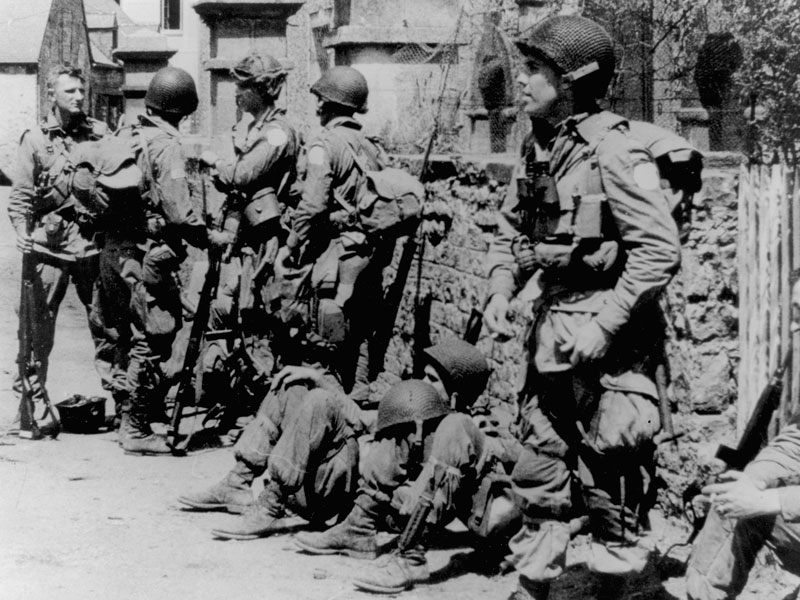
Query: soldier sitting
{"points": [[430, 463]]}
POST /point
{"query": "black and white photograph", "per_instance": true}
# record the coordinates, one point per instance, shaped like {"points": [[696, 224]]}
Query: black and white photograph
{"points": [[413, 299]]}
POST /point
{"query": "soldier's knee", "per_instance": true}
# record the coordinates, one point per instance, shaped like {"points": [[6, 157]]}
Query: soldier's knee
{"points": [[457, 439]]}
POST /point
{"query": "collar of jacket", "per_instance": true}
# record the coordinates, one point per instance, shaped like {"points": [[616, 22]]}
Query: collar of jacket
{"points": [[53, 123], [268, 115], [589, 125], [343, 122], [156, 121]]}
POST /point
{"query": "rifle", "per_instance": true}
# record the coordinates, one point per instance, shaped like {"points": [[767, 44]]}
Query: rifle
{"points": [[28, 360], [755, 435], [187, 393]]}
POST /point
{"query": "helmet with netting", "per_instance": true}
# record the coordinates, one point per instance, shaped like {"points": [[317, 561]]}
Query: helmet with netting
{"points": [[172, 90], [578, 47], [343, 85], [262, 72], [410, 401], [463, 368]]}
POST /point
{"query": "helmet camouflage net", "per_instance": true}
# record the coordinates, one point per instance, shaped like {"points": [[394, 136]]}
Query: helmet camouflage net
{"points": [[343, 85], [262, 72], [408, 402], [578, 47]]}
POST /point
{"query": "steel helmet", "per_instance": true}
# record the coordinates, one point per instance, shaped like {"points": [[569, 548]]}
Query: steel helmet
{"points": [[410, 401], [172, 90], [343, 85], [463, 369], [262, 71], [578, 47]]}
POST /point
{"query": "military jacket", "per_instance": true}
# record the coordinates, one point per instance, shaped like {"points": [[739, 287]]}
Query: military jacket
{"points": [[265, 154], [41, 159], [167, 212], [592, 156], [332, 176]]}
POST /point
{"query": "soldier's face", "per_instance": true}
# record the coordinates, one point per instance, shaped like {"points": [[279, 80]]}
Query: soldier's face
{"points": [[431, 375], [247, 99], [68, 94], [540, 88]]}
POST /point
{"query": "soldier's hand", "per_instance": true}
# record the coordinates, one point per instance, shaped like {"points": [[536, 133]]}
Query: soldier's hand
{"points": [[220, 238], [289, 375], [495, 317], [208, 159], [739, 496], [24, 242], [590, 343]]}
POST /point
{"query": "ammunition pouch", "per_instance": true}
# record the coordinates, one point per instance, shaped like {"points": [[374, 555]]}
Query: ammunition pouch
{"points": [[262, 207], [158, 265], [493, 508], [333, 279]]}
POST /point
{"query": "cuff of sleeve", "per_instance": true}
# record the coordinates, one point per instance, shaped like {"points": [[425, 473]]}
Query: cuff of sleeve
{"points": [[502, 282], [611, 318], [790, 503], [292, 241]]}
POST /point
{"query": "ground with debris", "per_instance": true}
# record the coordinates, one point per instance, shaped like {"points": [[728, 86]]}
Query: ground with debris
{"points": [[79, 519]]}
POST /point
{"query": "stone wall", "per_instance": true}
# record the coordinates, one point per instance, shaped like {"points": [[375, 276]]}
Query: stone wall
{"points": [[702, 300]]}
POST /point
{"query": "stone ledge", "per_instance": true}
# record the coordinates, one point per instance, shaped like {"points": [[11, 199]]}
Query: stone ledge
{"points": [[497, 166]]}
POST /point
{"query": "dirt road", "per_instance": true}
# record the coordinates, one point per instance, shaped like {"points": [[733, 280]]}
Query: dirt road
{"points": [[80, 520]]}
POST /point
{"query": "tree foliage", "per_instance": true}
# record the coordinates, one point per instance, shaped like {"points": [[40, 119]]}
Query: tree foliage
{"points": [[769, 32]]}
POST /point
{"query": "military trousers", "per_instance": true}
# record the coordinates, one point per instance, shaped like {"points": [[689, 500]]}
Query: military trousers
{"points": [[726, 549], [142, 318], [585, 449], [458, 474], [304, 441], [52, 277]]}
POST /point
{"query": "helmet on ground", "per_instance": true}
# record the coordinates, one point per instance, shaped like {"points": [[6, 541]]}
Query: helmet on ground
{"points": [[410, 401], [261, 71], [463, 368], [343, 85], [172, 90], [578, 47]]}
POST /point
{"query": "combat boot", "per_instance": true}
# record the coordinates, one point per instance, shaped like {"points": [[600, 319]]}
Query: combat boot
{"points": [[136, 437], [394, 573], [232, 493], [356, 536], [261, 519]]}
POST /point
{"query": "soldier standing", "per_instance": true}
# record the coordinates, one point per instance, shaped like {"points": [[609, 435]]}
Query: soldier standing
{"points": [[64, 249], [587, 215], [347, 266], [257, 182], [139, 296]]}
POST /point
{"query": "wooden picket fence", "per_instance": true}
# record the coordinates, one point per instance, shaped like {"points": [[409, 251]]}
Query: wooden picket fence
{"points": [[768, 251]]}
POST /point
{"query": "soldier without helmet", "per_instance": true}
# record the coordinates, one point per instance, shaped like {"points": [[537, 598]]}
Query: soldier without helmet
{"points": [[64, 249], [587, 214]]}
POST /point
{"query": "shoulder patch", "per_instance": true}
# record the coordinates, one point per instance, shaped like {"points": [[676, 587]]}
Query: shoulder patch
{"points": [[277, 136], [316, 155], [646, 176], [177, 171]]}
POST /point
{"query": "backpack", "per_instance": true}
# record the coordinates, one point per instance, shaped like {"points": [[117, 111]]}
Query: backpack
{"points": [[98, 167], [680, 167], [388, 202]]}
